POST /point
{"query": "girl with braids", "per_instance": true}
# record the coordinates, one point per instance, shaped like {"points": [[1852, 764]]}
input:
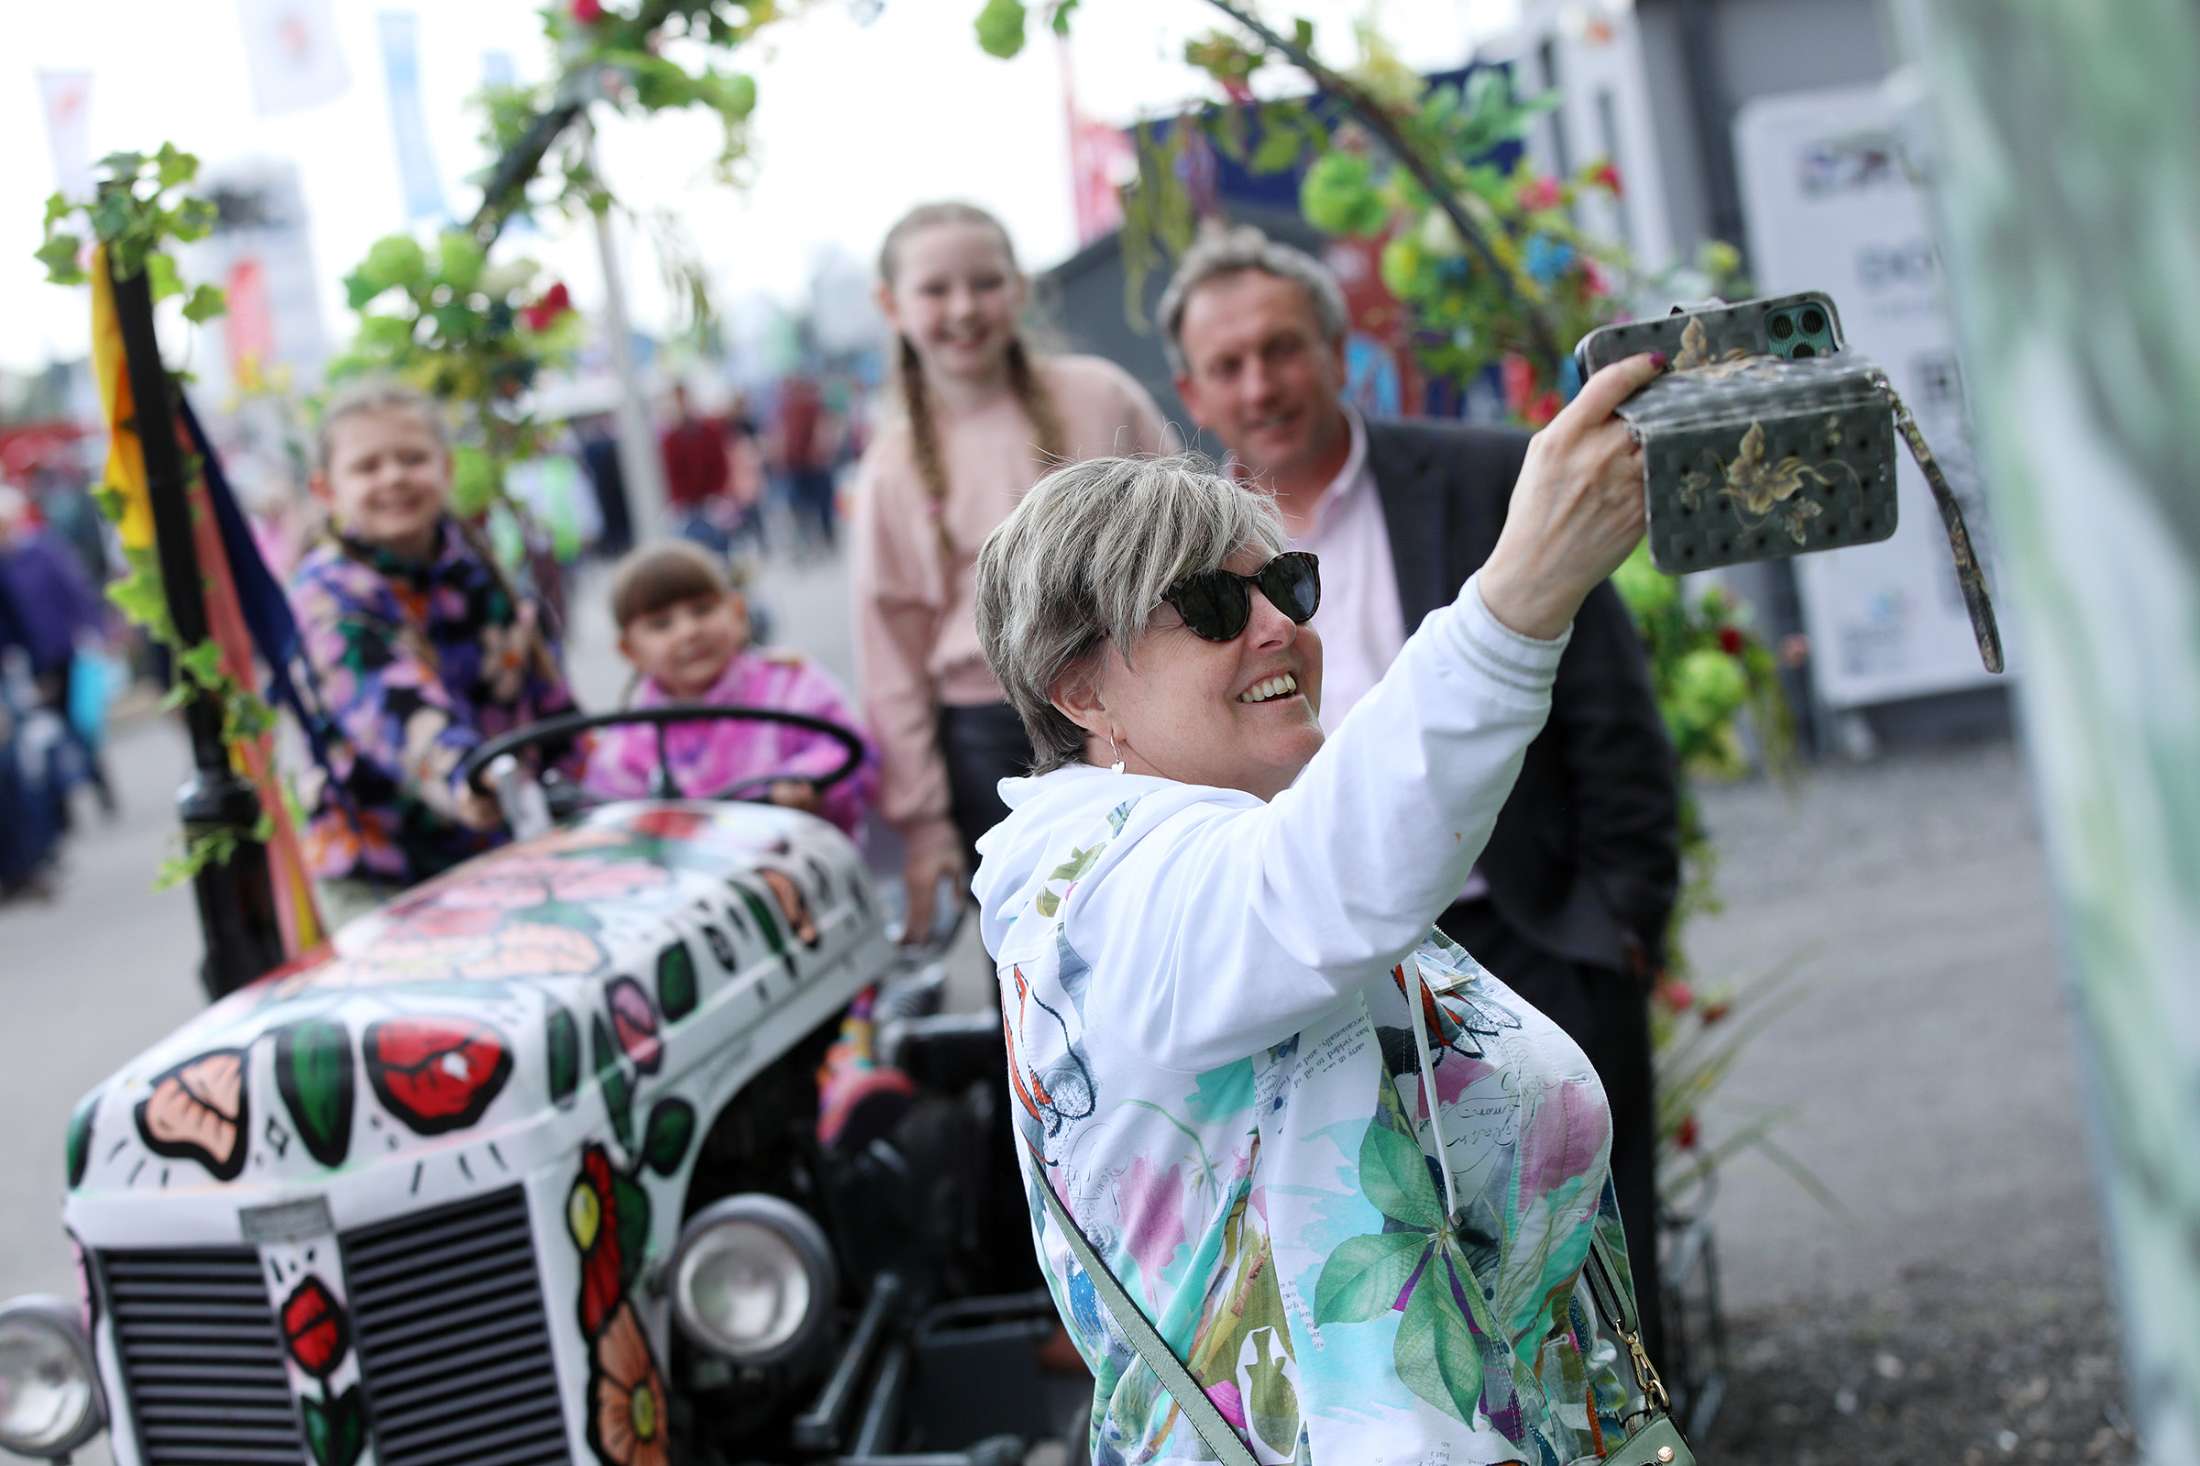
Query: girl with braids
{"points": [[982, 418]]}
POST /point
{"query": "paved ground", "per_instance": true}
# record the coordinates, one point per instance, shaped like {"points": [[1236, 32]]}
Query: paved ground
{"points": [[1952, 1310]]}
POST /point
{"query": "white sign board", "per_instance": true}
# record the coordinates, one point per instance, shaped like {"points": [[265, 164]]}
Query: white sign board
{"points": [[1830, 207]]}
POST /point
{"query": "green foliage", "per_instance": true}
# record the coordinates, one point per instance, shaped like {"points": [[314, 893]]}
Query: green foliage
{"points": [[136, 211]]}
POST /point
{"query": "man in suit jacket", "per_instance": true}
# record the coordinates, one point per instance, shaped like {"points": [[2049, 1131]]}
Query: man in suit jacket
{"points": [[1570, 900]]}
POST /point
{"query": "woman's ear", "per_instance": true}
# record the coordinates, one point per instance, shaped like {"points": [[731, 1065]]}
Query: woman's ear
{"points": [[317, 486], [1076, 696], [883, 294]]}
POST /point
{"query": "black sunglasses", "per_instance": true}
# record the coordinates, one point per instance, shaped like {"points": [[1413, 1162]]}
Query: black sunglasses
{"points": [[1216, 604]]}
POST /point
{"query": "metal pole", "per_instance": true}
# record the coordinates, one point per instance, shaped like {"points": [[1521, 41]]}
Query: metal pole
{"points": [[235, 897], [639, 463]]}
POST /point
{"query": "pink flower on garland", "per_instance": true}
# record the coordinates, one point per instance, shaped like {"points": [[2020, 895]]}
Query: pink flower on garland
{"points": [[1541, 192]]}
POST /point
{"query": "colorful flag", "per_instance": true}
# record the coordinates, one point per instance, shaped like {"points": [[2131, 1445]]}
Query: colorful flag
{"points": [[293, 54], [125, 455], [245, 609], [400, 30]]}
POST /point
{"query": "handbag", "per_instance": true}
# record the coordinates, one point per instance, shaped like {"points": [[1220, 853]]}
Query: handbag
{"points": [[1655, 1441], [1653, 1437]]}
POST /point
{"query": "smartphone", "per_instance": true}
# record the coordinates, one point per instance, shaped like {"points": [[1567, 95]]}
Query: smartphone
{"points": [[1795, 327], [1768, 439]]}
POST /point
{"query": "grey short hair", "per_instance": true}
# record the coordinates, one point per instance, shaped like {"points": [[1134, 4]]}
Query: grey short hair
{"points": [[1083, 561], [376, 394], [1220, 253]]}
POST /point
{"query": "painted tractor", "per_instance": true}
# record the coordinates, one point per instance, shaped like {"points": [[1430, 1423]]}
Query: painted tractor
{"points": [[529, 1168]]}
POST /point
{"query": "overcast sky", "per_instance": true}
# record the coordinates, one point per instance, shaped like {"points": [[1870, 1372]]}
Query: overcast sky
{"points": [[854, 123]]}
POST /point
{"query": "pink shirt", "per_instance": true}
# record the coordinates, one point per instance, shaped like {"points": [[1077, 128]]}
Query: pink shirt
{"points": [[916, 629], [1362, 624], [709, 757]]}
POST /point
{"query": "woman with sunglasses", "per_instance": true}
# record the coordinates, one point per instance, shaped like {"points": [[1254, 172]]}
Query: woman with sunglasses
{"points": [[1348, 1176]]}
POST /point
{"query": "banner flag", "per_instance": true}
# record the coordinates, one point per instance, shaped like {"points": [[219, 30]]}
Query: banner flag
{"points": [[400, 30], [293, 54], [67, 96]]}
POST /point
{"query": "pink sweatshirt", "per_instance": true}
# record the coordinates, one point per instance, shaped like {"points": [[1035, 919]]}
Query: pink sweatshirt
{"points": [[916, 628], [709, 757]]}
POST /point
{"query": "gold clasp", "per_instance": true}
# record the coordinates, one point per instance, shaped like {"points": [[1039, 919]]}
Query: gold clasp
{"points": [[1646, 1374]]}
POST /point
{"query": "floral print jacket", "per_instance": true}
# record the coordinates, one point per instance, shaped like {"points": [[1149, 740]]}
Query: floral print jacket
{"points": [[1349, 1175], [418, 663]]}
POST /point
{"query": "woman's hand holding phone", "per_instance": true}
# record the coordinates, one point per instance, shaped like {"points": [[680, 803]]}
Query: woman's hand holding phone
{"points": [[1577, 510]]}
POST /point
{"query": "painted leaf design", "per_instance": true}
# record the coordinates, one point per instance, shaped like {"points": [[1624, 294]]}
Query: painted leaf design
{"points": [[1363, 1278], [1271, 1404], [199, 1111], [313, 1072], [1394, 1175], [676, 981], [1078, 863], [80, 1137], [1436, 1353], [630, 1215], [1048, 903], [315, 1330], [336, 1429], [634, 1020], [666, 1138], [760, 912], [562, 1046], [436, 1074], [618, 1089]]}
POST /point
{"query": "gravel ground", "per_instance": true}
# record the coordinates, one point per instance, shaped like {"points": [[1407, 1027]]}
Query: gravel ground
{"points": [[1956, 1309], [1942, 1367]]}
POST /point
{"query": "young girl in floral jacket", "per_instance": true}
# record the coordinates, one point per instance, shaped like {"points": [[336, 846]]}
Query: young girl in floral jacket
{"points": [[422, 647]]}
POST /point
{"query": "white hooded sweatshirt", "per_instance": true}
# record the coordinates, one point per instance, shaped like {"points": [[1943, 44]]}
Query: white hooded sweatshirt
{"points": [[1216, 1068]]}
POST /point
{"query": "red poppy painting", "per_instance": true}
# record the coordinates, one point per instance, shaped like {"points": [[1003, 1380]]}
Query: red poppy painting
{"points": [[436, 1074]]}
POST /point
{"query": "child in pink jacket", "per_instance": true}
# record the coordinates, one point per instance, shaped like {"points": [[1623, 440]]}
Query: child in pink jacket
{"points": [[685, 630]]}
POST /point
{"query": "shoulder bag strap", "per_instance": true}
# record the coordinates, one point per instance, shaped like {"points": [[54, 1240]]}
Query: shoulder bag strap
{"points": [[1206, 1420], [1617, 1306]]}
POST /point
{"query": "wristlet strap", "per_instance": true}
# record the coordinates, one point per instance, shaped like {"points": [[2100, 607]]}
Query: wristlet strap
{"points": [[1200, 1412]]}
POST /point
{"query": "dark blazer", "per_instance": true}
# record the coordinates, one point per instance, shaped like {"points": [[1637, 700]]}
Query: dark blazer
{"points": [[1585, 859]]}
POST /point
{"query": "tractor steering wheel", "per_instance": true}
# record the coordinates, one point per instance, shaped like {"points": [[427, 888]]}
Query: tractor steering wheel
{"points": [[479, 763]]}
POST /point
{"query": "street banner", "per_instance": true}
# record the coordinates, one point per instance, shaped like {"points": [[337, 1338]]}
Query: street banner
{"points": [[293, 54], [400, 31], [67, 96], [1831, 207]]}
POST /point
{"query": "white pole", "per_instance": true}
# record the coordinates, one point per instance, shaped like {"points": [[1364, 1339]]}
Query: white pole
{"points": [[639, 462]]}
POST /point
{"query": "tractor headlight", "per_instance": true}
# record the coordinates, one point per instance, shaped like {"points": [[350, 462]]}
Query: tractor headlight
{"points": [[752, 1279], [49, 1388]]}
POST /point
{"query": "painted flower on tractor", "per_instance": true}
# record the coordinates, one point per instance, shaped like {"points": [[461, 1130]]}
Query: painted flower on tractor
{"points": [[627, 1422], [200, 1111], [315, 1330], [607, 1215], [634, 1021], [436, 1074], [591, 1217]]}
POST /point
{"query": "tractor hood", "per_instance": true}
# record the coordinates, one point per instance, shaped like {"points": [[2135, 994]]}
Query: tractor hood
{"points": [[482, 1003]]}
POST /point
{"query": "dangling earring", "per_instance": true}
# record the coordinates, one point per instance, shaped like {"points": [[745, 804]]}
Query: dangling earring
{"points": [[1116, 754]]}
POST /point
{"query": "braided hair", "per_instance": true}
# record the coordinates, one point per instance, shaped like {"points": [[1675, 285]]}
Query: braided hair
{"points": [[1023, 376]]}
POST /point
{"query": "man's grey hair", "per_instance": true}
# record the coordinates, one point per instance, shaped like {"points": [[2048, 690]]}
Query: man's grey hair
{"points": [[1220, 253], [1083, 561]]}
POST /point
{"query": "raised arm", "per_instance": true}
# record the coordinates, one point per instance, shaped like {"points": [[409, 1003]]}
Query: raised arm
{"points": [[1243, 920]]}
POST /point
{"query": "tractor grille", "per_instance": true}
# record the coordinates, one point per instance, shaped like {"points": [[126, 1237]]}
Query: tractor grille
{"points": [[200, 1358], [447, 1309]]}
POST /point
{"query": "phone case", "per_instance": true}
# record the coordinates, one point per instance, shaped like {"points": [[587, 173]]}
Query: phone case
{"points": [[1720, 332], [1756, 458]]}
